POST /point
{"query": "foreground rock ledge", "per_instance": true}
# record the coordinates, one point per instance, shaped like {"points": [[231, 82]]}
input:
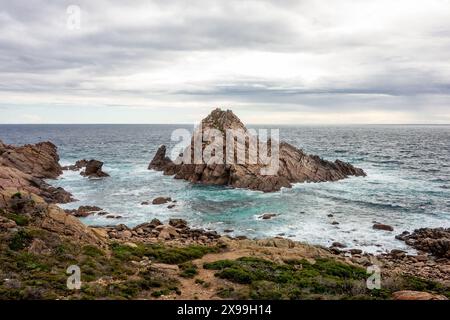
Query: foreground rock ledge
{"points": [[294, 164]]}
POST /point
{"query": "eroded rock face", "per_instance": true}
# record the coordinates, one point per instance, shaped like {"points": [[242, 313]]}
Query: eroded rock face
{"points": [[435, 241], [40, 160], [294, 165], [25, 168], [13, 178]]}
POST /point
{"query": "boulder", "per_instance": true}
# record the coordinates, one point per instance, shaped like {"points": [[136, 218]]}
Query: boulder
{"points": [[161, 200], [416, 295], [84, 211], [94, 170], [380, 226], [77, 166], [178, 223], [267, 216], [294, 164]]}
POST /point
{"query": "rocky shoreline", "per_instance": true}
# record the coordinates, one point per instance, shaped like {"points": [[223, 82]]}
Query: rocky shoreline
{"points": [[38, 240]]}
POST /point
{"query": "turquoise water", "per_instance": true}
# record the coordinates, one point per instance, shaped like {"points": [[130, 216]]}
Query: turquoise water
{"points": [[407, 185]]}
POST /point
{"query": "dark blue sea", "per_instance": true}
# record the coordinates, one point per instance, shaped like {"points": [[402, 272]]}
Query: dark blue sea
{"points": [[408, 182]]}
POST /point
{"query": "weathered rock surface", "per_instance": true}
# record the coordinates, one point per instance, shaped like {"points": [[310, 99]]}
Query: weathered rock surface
{"points": [[380, 226], [161, 200], [94, 170], [294, 164], [26, 167], [39, 160], [416, 295], [77, 166], [84, 211], [435, 241]]}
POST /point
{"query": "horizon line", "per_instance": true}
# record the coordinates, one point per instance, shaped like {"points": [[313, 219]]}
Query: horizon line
{"points": [[258, 124]]}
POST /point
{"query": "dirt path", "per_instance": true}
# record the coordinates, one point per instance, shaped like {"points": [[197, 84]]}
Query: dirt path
{"points": [[207, 291]]}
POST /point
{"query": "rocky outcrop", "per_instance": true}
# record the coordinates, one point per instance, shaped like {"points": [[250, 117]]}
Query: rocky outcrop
{"points": [[77, 166], [13, 178], [46, 216], [294, 165], [39, 160], [25, 168], [434, 241], [176, 231], [94, 170], [85, 211]]}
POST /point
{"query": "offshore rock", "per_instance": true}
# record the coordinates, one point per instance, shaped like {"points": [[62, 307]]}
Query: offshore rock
{"points": [[294, 165]]}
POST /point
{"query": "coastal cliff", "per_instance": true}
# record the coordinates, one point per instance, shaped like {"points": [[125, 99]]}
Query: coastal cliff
{"points": [[293, 164]]}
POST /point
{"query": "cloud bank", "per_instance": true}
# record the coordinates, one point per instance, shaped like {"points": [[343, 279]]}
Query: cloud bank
{"points": [[271, 61]]}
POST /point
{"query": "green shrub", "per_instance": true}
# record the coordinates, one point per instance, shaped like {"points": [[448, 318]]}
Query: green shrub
{"points": [[20, 220], [20, 240], [188, 270]]}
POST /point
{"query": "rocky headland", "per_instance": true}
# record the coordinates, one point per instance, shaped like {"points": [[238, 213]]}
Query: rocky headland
{"points": [[156, 260], [294, 164]]}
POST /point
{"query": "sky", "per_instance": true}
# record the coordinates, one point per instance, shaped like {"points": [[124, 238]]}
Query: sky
{"points": [[271, 62]]}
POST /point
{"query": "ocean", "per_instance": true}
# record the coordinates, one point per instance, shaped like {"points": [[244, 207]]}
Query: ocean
{"points": [[407, 184]]}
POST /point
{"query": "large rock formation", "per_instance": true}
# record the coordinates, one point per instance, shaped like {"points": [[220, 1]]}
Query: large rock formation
{"points": [[40, 160], [94, 169], [434, 241], [294, 165], [25, 168]]}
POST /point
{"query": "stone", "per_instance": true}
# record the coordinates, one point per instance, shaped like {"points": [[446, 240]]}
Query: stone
{"points": [[84, 211], [355, 251], [161, 200], [334, 223], [94, 169], [178, 223], [6, 224], [294, 165], [77, 166], [145, 203], [228, 230], [171, 206], [267, 216], [338, 245], [435, 241], [171, 268], [380, 226], [416, 295]]}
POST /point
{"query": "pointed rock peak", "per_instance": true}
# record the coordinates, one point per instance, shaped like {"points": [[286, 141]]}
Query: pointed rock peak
{"points": [[222, 120]]}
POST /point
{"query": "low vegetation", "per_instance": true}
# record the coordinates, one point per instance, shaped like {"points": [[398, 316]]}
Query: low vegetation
{"points": [[108, 273], [300, 279]]}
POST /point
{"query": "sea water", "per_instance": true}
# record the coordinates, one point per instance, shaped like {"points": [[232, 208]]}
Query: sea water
{"points": [[407, 184]]}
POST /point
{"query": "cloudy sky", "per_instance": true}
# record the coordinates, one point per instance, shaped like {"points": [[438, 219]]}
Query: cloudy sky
{"points": [[289, 62]]}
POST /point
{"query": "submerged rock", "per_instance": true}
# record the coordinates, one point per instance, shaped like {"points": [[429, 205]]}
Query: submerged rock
{"points": [[380, 226], [267, 216], [161, 200], [294, 165]]}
